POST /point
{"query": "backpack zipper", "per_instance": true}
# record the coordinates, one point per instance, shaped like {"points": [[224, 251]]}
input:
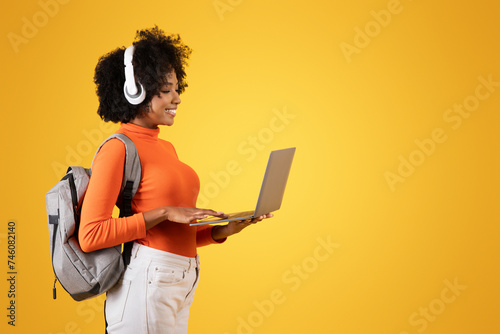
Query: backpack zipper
{"points": [[54, 294]]}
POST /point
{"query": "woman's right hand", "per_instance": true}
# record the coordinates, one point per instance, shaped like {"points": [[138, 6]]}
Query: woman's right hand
{"points": [[175, 214], [187, 215]]}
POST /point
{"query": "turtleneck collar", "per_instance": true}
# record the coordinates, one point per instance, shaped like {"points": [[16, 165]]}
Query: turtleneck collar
{"points": [[140, 131]]}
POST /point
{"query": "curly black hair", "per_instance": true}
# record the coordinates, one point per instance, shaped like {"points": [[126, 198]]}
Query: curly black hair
{"points": [[155, 55]]}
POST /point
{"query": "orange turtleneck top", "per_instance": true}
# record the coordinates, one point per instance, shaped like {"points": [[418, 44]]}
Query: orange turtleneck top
{"points": [[165, 181]]}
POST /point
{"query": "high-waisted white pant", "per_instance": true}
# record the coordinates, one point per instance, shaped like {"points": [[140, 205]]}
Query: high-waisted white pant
{"points": [[154, 294]]}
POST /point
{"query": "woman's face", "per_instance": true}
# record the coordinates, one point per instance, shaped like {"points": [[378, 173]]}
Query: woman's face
{"points": [[163, 107]]}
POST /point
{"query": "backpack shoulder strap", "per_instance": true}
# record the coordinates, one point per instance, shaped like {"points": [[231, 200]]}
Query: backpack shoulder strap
{"points": [[132, 173]]}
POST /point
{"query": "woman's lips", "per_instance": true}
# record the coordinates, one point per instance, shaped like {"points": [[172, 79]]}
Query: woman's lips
{"points": [[171, 112]]}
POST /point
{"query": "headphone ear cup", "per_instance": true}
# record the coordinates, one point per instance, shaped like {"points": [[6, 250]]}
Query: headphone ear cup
{"points": [[134, 93], [137, 98]]}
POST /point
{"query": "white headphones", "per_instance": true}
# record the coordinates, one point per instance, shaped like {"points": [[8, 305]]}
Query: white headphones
{"points": [[134, 95]]}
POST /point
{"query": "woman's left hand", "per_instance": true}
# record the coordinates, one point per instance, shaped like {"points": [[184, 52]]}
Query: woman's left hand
{"points": [[235, 226]]}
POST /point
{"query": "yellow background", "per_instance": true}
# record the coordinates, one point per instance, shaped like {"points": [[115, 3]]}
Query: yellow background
{"points": [[394, 252]]}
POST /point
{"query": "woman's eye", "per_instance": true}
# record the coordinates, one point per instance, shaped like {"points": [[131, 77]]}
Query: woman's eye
{"points": [[165, 91]]}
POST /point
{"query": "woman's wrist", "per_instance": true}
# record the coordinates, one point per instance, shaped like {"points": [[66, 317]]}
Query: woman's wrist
{"points": [[219, 232], [155, 216]]}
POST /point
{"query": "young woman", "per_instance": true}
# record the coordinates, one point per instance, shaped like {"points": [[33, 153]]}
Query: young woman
{"points": [[157, 287]]}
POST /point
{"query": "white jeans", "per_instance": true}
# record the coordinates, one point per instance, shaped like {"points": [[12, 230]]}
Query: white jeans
{"points": [[154, 294]]}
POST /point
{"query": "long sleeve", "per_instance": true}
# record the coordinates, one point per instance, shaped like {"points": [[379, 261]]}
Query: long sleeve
{"points": [[97, 228]]}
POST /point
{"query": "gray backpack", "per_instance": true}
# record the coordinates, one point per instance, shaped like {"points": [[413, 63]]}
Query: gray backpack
{"points": [[86, 275]]}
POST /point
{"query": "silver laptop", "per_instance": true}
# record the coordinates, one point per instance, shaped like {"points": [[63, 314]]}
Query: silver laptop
{"points": [[271, 191]]}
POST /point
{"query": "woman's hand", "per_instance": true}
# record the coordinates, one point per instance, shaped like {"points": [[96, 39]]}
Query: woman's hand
{"points": [[178, 215], [220, 232], [187, 215]]}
